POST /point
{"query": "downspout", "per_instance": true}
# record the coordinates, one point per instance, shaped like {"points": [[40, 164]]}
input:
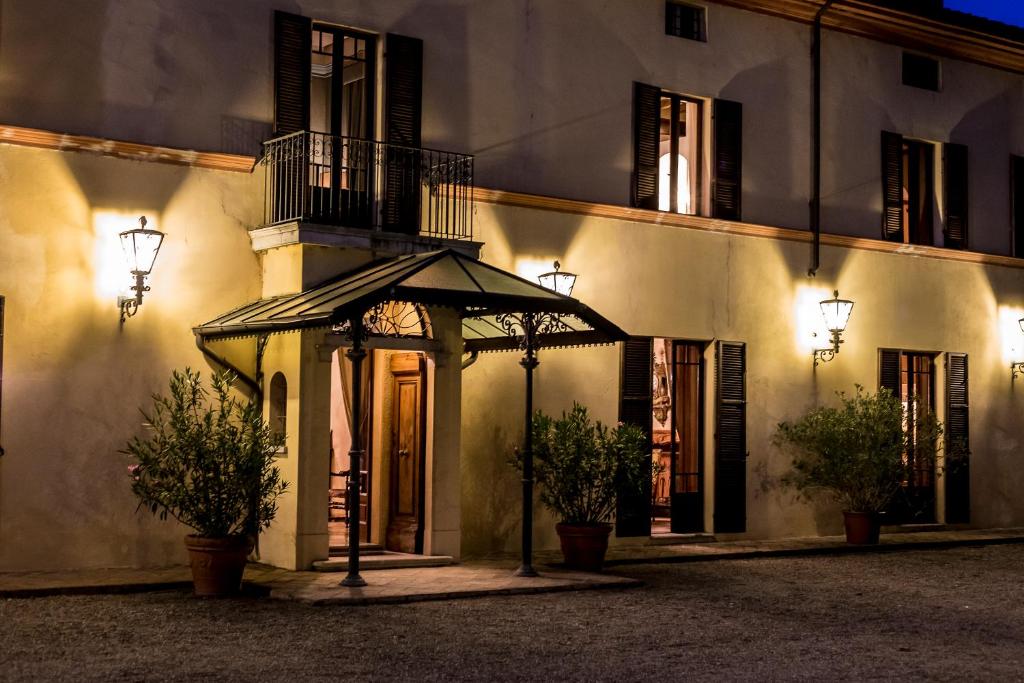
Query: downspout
{"points": [[466, 362], [816, 140], [252, 383]]}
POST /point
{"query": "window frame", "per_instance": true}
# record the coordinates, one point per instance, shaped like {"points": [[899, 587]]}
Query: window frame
{"points": [[674, 25], [697, 179]]}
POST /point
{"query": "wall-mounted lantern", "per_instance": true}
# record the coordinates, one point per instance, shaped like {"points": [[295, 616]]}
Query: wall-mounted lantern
{"points": [[140, 246], [558, 281], [836, 313], [1017, 367]]}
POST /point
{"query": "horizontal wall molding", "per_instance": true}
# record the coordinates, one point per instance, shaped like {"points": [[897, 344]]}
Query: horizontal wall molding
{"points": [[675, 220], [863, 19], [32, 137]]}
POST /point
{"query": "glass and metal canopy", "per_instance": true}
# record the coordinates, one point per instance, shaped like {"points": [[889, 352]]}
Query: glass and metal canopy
{"points": [[389, 298], [391, 295]]}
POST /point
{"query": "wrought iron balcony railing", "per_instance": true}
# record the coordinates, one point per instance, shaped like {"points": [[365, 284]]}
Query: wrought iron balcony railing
{"points": [[356, 183]]}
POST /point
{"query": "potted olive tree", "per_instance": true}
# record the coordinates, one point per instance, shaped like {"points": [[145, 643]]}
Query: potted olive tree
{"points": [[859, 454], [582, 466], [208, 461]]}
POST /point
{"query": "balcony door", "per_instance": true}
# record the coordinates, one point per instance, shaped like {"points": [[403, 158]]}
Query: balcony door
{"points": [[341, 121]]}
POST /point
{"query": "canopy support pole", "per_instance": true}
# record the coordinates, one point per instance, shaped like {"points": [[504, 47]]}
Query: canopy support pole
{"points": [[355, 354], [529, 363]]}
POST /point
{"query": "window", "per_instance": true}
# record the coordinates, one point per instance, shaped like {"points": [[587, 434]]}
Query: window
{"points": [[920, 71], [685, 21], [668, 145], [909, 194], [679, 149], [279, 404], [918, 192]]}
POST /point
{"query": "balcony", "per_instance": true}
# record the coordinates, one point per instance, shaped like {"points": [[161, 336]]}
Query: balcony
{"points": [[342, 187]]}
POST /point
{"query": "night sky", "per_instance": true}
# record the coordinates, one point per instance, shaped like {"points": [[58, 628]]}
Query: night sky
{"points": [[1007, 11]]}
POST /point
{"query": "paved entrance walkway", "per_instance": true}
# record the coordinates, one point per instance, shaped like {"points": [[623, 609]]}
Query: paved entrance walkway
{"points": [[490, 576]]}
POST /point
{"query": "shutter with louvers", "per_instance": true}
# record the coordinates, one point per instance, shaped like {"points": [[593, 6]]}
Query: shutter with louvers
{"points": [[730, 438], [403, 104], [292, 38], [646, 140], [954, 173], [727, 185], [957, 470], [1017, 197], [633, 514], [892, 186], [889, 371]]}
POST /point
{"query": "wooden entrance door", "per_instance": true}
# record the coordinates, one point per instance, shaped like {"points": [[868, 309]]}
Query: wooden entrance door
{"points": [[408, 423]]}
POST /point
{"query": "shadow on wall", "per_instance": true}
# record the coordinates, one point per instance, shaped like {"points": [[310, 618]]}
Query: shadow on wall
{"points": [[988, 131], [131, 71], [774, 150]]}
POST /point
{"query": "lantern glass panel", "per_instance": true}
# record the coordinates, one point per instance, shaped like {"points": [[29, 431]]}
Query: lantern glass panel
{"points": [[836, 313], [140, 249]]}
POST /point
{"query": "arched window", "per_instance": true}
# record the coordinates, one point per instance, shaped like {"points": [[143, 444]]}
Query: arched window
{"points": [[278, 403]]}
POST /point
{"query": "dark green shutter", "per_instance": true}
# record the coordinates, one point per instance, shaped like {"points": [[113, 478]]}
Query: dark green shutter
{"points": [[731, 438], [633, 516], [892, 186], [954, 175], [1017, 197], [727, 185], [292, 38], [646, 145], [957, 472], [403, 109], [889, 371]]}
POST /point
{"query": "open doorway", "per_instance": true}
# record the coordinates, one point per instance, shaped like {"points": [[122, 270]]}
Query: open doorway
{"points": [[338, 508], [677, 435]]}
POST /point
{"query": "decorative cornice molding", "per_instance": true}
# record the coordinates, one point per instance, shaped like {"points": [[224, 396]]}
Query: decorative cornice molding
{"points": [[675, 220], [864, 19], [32, 137]]}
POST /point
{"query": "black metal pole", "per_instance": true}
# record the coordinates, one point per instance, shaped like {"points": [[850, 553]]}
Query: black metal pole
{"points": [[529, 362], [356, 354]]}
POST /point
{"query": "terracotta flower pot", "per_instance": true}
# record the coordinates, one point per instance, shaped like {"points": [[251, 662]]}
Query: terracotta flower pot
{"points": [[862, 527], [217, 563], [584, 545]]}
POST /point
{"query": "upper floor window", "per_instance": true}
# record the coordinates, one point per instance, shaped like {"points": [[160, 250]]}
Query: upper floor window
{"points": [[679, 152], [341, 82], [685, 21], [669, 144], [910, 199], [920, 71]]}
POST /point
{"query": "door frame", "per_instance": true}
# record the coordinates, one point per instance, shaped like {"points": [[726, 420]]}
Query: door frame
{"points": [[421, 484], [701, 431]]}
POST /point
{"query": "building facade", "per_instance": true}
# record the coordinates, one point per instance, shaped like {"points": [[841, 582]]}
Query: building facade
{"points": [[664, 151]]}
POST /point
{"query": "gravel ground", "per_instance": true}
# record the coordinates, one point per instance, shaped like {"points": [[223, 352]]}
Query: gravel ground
{"points": [[949, 614]]}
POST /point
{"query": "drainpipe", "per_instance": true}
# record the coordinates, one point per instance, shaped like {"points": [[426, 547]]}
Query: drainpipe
{"points": [[816, 140], [466, 362], [250, 382]]}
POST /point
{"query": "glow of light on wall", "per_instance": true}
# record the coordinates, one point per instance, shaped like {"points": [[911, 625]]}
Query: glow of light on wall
{"points": [[528, 267], [811, 332], [1010, 336], [111, 272]]}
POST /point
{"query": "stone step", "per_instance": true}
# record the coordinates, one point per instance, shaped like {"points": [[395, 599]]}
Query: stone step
{"points": [[384, 560]]}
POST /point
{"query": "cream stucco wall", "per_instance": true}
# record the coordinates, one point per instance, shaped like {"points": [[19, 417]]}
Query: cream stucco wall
{"points": [[540, 92], [73, 379], [683, 283]]}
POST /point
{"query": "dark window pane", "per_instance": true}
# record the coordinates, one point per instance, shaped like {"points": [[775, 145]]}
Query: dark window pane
{"points": [[920, 71]]}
